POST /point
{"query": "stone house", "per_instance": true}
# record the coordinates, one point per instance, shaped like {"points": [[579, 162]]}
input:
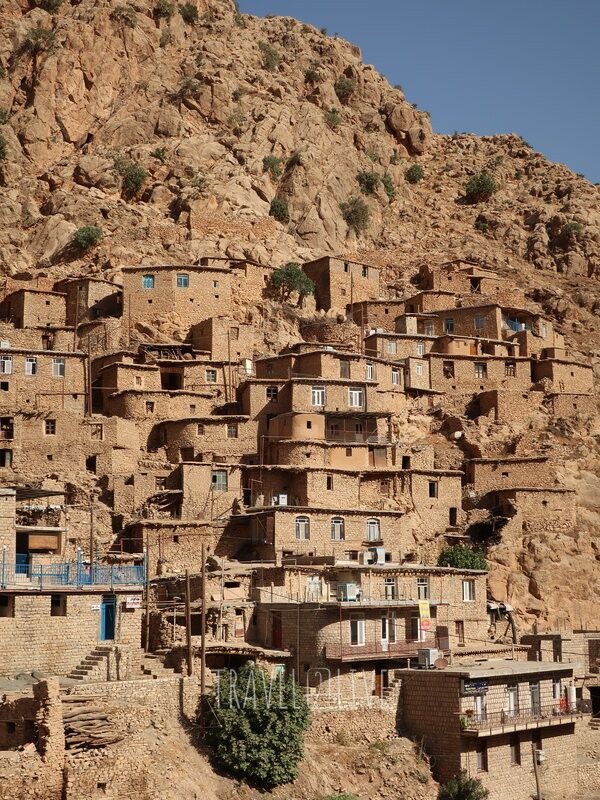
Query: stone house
{"points": [[339, 282], [224, 339], [88, 299], [34, 308], [492, 474], [375, 314], [469, 281], [491, 719]]}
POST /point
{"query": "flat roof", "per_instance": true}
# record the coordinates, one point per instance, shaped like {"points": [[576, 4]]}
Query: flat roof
{"points": [[175, 268], [504, 668], [507, 459]]}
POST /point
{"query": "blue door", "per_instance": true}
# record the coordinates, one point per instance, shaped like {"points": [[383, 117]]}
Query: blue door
{"points": [[108, 617], [22, 564]]}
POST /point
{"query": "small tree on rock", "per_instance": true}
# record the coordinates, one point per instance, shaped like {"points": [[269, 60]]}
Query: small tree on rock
{"points": [[256, 726], [368, 181], [344, 88], [279, 210], [461, 556], [414, 174], [189, 13], [356, 213], [461, 787], [289, 279], [87, 237], [480, 187]]}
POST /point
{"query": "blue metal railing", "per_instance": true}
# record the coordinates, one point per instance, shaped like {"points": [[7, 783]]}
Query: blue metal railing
{"points": [[75, 574]]}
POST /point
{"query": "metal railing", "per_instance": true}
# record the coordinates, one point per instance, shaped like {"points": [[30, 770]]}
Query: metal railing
{"points": [[358, 436], [377, 649], [70, 574], [557, 711]]}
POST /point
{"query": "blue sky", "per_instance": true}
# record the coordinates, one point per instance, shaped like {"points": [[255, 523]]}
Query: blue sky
{"points": [[530, 67]]}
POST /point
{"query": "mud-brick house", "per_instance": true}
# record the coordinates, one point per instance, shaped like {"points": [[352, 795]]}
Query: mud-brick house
{"points": [[224, 338], [469, 281], [34, 308], [376, 314], [350, 626], [492, 719], [339, 282], [90, 298]]}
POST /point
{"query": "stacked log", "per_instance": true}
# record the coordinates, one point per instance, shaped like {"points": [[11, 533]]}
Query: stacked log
{"points": [[87, 725]]}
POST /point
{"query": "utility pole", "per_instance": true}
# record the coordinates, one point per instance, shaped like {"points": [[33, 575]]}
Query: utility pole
{"points": [[203, 625], [147, 582], [75, 325], [91, 530], [536, 772], [89, 376], [188, 625], [229, 364]]}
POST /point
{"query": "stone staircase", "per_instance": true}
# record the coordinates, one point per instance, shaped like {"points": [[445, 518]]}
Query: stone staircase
{"points": [[94, 666], [594, 723], [152, 667]]}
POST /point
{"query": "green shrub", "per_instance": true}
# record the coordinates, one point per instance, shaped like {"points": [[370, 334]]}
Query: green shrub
{"points": [[133, 175], [356, 213], [163, 9], [271, 58], [289, 279], [51, 6], [39, 40], [570, 233], [188, 87], [272, 165], [4, 116], [414, 174], [236, 95], [368, 181], [3, 147], [256, 730], [333, 118], [481, 224], [388, 185], [236, 118], [159, 154], [461, 787], [200, 181], [462, 556], [312, 76], [344, 88], [87, 237], [295, 160], [239, 20], [279, 210], [189, 13], [165, 37], [124, 15], [480, 187], [373, 155]]}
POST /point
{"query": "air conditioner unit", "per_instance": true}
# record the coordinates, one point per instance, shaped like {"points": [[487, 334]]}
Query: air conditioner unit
{"points": [[4, 344], [247, 366], [346, 591], [427, 657], [377, 555], [540, 756]]}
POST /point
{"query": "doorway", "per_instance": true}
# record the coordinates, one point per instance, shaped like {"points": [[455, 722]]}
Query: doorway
{"points": [[108, 617], [276, 631]]}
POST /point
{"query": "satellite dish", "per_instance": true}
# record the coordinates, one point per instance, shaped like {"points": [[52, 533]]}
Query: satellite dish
{"points": [[440, 663]]}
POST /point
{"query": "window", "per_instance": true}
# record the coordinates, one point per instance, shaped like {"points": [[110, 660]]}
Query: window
{"points": [[329, 482], [512, 700], [449, 325], [556, 689], [317, 396], [510, 369], [232, 430], [422, 588], [373, 530], [338, 533], [480, 369], [370, 372], [515, 750], [149, 407], [459, 631], [200, 429], [138, 380], [160, 483], [272, 392], [148, 282], [391, 347], [481, 758], [31, 365], [351, 555], [183, 281], [448, 369], [479, 322], [215, 284], [365, 272], [348, 452], [405, 462], [6, 457], [433, 488], [389, 588], [429, 329], [344, 369], [7, 605], [346, 266], [302, 528], [50, 427], [357, 629], [211, 375], [395, 377], [58, 367], [468, 591], [219, 480], [6, 365], [356, 398], [420, 349], [418, 368]]}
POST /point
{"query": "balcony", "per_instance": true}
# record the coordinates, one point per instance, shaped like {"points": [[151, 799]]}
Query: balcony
{"points": [[360, 437], [498, 722], [377, 650]]}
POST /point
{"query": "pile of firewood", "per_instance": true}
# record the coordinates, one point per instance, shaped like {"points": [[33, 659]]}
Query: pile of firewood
{"points": [[87, 725]]}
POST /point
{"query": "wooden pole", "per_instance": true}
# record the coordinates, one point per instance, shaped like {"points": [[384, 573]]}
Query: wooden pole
{"points": [[188, 625], [229, 364], [147, 626], [89, 376], [91, 529], [76, 319], [203, 625], [536, 772]]}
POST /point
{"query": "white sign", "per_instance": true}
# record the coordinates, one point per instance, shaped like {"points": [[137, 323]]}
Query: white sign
{"points": [[95, 606], [133, 602]]}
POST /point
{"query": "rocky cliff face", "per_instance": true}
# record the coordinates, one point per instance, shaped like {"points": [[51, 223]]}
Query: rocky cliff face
{"points": [[95, 96]]}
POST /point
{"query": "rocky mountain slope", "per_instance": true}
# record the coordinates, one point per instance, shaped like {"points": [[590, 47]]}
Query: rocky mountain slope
{"points": [[127, 117]]}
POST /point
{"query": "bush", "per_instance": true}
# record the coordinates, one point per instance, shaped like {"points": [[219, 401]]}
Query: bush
{"points": [[124, 15], [257, 731], [87, 237], [279, 210], [462, 787], [414, 174], [333, 118], [239, 20], [368, 181], [3, 148], [295, 160], [356, 213], [159, 154], [236, 95], [51, 6], [272, 165], [189, 13], [388, 185], [163, 9], [570, 233], [133, 175], [165, 37], [271, 57], [290, 278], [344, 88], [200, 181], [481, 224], [480, 187], [39, 40], [312, 76], [461, 556]]}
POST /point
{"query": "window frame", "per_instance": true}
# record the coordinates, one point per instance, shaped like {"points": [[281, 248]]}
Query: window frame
{"points": [[354, 392], [338, 529], [149, 281], [31, 365], [468, 590], [59, 367], [182, 280], [302, 528], [315, 393], [217, 483]]}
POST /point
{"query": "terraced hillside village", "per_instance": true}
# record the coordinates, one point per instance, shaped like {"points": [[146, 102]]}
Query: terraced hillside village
{"points": [[286, 379]]}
